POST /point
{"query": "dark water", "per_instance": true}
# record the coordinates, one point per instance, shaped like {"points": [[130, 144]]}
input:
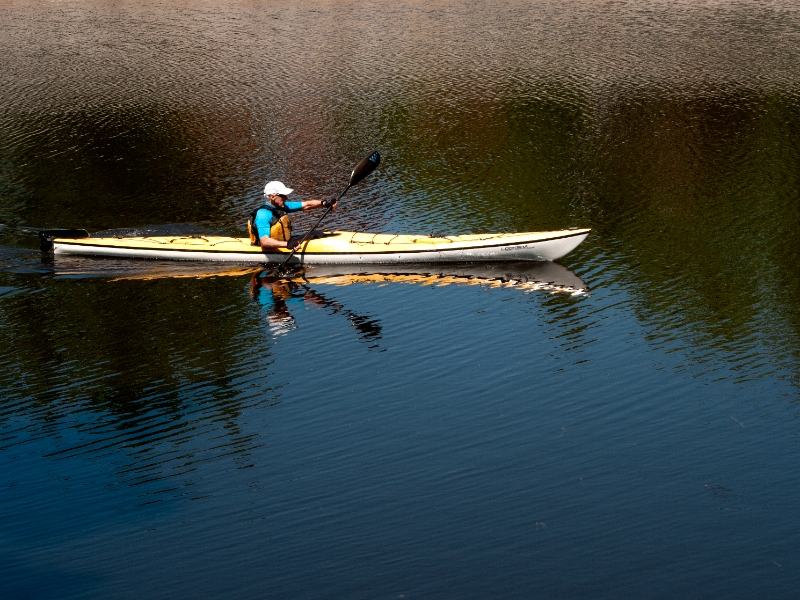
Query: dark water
{"points": [[622, 426]]}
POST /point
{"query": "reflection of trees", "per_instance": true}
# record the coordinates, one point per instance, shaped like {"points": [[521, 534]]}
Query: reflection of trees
{"points": [[700, 195], [156, 372], [113, 166], [697, 195], [135, 358]]}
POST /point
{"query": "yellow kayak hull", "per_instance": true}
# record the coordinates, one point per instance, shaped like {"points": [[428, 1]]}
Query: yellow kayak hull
{"points": [[338, 247]]}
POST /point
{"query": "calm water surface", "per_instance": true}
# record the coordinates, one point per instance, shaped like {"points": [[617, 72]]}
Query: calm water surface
{"points": [[624, 424]]}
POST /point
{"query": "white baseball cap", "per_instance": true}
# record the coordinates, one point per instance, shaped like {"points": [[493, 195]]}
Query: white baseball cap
{"points": [[276, 187]]}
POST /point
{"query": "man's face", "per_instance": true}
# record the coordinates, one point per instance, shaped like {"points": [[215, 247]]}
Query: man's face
{"points": [[277, 200]]}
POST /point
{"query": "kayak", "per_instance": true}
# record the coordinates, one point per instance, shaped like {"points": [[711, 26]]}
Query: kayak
{"points": [[336, 248]]}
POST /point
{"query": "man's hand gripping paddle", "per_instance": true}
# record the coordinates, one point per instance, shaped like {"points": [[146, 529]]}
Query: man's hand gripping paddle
{"points": [[361, 170]]}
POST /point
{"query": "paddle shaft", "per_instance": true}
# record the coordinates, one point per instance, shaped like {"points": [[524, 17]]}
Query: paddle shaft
{"points": [[309, 232]]}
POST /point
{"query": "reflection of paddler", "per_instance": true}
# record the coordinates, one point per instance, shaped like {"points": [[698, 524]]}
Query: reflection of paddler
{"points": [[274, 295], [277, 293], [269, 225]]}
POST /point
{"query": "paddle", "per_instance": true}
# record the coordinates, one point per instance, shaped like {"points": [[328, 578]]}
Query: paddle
{"points": [[361, 170], [46, 236]]}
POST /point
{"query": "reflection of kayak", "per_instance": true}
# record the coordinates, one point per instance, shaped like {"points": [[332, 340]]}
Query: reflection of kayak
{"points": [[526, 275], [339, 247]]}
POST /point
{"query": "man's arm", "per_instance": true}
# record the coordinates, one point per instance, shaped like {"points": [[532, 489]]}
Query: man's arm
{"points": [[312, 204], [270, 244]]}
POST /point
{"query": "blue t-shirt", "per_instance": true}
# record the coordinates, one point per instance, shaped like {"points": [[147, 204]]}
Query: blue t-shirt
{"points": [[291, 294], [276, 302], [266, 218]]}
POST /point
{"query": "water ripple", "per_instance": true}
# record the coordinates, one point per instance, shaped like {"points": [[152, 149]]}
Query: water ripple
{"points": [[403, 405]]}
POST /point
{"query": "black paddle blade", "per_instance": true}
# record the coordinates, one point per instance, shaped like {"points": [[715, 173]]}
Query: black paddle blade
{"points": [[364, 168], [46, 236]]}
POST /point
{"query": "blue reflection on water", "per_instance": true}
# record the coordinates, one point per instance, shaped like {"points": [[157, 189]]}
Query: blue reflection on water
{"points": [[503, 443]]}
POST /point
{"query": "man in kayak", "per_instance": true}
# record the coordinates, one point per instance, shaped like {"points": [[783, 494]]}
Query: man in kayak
{"points": [[269, 225]]}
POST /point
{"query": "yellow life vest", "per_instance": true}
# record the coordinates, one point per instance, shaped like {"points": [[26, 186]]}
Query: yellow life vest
{"points": [[281, 229]]}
